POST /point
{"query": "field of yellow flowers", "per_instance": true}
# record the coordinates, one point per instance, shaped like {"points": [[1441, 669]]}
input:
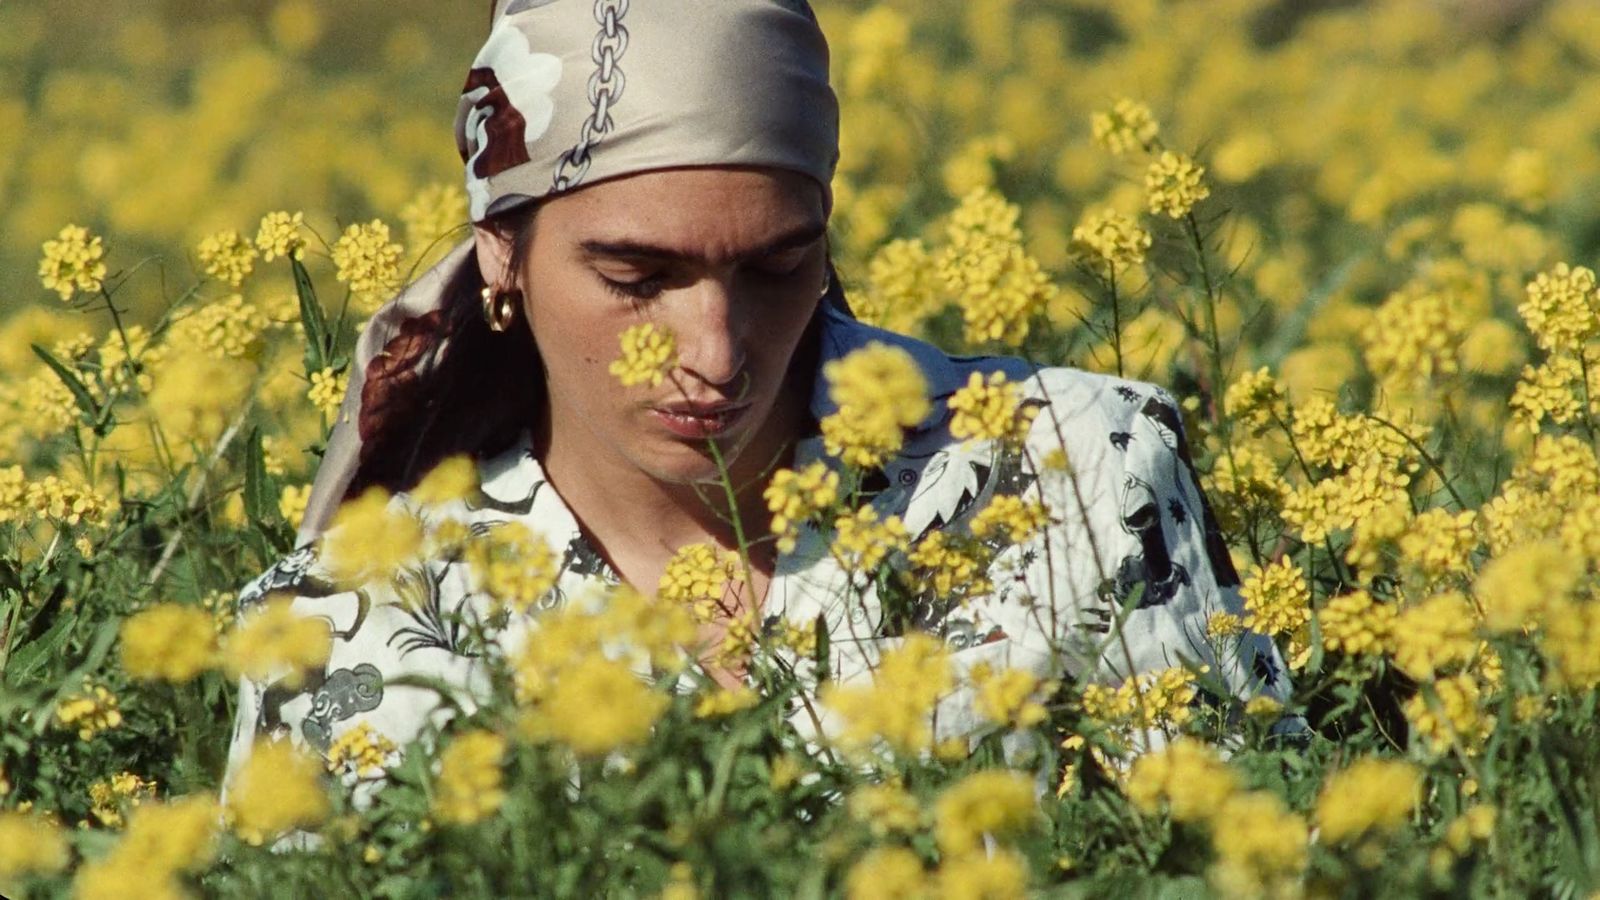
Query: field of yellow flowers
{"points": [[1353, 237]]}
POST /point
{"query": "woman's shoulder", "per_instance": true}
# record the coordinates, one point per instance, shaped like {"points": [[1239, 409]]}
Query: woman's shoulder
{"points": [[1120, 402]]}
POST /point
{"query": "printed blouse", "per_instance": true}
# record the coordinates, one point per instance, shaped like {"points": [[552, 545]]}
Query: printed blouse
{"points": [[1122, 581]]}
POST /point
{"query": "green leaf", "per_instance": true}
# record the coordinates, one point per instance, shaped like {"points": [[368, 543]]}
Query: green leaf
{"points": [[31, 655], [821, 658], [257, 484], [91, 410], [316, 326]]}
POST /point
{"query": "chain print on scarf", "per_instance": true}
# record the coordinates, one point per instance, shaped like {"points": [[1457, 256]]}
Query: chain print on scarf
{"points": [[605, 89]]}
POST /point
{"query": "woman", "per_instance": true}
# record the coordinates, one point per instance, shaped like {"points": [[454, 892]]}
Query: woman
{"points": [[669, 164]]}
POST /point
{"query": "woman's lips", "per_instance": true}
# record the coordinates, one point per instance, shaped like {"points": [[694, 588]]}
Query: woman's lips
{"points": [[698, 424]]}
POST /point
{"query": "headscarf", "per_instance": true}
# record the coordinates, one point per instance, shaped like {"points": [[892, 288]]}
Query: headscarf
{"points": [[565, 93]]}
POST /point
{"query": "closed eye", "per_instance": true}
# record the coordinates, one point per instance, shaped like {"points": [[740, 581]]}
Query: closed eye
{"points": [[642, 289]]}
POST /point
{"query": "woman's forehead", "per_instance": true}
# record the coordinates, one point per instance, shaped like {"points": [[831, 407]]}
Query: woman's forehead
{"points": [[701, 212]]}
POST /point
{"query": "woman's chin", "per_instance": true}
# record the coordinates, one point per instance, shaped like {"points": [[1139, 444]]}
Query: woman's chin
{"points": [[688, 462]]}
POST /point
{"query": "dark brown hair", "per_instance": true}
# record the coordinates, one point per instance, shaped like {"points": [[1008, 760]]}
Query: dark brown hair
{"points": [[461, 403]]}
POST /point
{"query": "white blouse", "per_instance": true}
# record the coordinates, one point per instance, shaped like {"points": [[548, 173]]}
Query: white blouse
{"points": [[1129, 524]]}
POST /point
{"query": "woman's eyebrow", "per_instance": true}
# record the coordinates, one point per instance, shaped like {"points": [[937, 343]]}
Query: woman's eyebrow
{"points": [[632, 249]]}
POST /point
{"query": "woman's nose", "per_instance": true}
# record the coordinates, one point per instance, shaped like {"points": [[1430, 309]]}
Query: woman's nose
{"points": [[711, 337]]}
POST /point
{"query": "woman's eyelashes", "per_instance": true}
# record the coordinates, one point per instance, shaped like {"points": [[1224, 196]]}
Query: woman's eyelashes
{"points": [[642, 289], [768, 271]]}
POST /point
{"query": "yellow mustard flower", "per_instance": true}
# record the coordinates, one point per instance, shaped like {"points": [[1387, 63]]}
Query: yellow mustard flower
{"points": [[72, 262], [368, 262], [886, 873], [596, 706], [725, 702], [948, 567], [227, 256], [1436, 634], [30, 845], [989, 409], [885, 809], [453, 479], [1004, 874], [90, 711], [360, 751], [897, 703], [169, 642], [1449, 712], [1370, 796], [648, 353], [470, 786], [879, 391], [370, 538], [1516, 588], [109, 799], [277, 789], [1111, 241], [1012, 516], [1173, 184], [1261, 847], [797, 496], [1127, 126], [328, 387], [1277, 598], [1187, 776], [1356, 624], [862, 541], [276, 639], [513, 564], [1562, 308], [279, 234], [697, 577], [996, 802], [1008, 696]]}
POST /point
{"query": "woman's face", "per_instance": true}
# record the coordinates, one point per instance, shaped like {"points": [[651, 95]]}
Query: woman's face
{"points": [[732, 261]]}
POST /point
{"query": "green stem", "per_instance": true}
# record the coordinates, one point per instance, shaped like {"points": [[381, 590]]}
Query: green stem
{"points": [[725, 478], [1426, 457], [1211, 318], [1116, 318]]}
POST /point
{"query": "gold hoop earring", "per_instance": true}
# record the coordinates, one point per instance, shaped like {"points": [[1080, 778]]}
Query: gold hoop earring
{"points": [[827, 285], [500, 308]]}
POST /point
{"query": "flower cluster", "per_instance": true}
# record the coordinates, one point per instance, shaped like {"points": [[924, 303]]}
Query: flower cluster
{"points": [[91, 711], [513, 564], [896, 706], [368, 262], [1111, 241], [578, 694], [879, 391], [470, 781], [277, 789], [72, 262], [1174, 183], [797, 496], [279, 235], [998, 286], [989, 409], [1127, 126], [227, 256], [276, 640], [697, 577], [648, 353], [169, 642]]}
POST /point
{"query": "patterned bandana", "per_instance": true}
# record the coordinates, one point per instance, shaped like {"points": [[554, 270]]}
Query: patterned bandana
{"points": [[568, 92]]}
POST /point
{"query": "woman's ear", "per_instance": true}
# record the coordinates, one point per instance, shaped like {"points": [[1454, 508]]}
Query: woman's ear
{"points": [[494, 256]]}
